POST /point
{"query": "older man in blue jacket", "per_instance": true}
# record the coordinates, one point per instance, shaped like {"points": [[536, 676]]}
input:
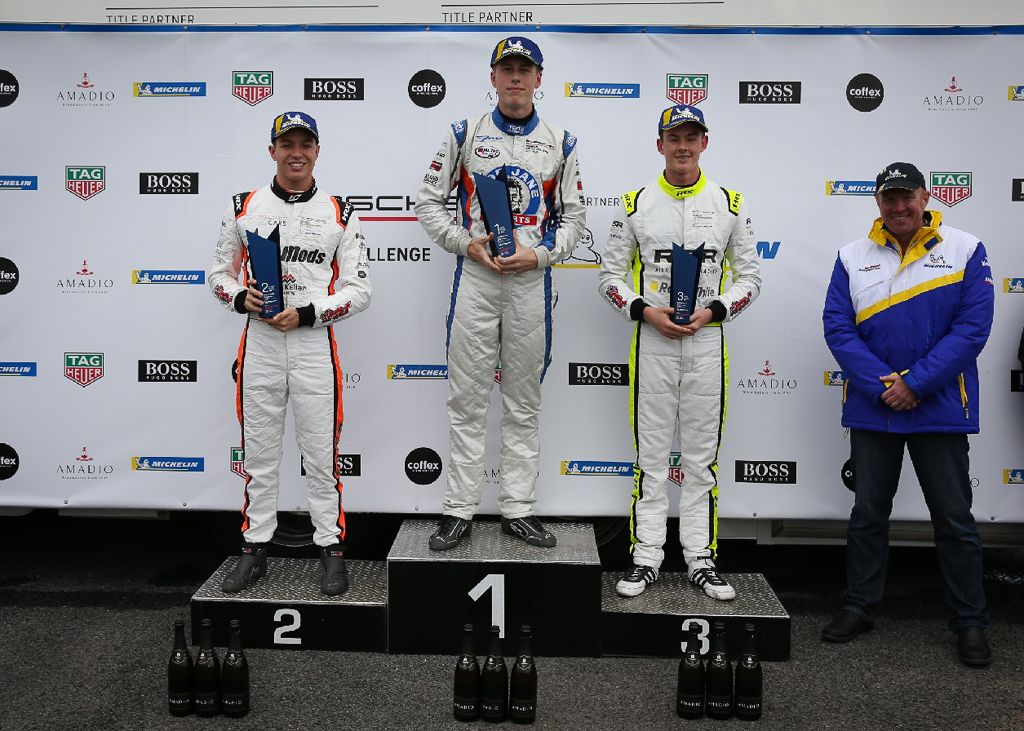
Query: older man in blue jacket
{"points": [[908, 310]]}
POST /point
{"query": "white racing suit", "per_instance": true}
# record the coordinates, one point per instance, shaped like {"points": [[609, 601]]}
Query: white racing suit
{"points": [[678, 386], [326, 277], [494, 316]]}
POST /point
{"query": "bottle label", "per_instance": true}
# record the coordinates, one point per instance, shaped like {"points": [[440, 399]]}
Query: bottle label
{"points": [[750, 705], [466, 705], [518, 706], [179, 701], [233, 702], [719, 704], [689, 703], [207, 703], [492, 707]]}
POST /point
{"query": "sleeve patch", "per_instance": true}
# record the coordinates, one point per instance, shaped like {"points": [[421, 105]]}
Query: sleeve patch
{"points": [[735, 200], [238, 201], [344, 210], [629, 200]]}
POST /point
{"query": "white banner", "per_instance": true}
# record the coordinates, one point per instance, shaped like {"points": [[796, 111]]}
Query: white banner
{"points": [[124, 148]]}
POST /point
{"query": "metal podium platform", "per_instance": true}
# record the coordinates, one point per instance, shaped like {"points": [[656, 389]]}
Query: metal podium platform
{"points": [[418, 600], [286, 610]]}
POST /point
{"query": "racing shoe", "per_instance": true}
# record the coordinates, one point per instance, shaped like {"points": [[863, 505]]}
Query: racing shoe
{"points": [[636, 580], [335, 574], [450, 530], [529, 529], [702, 573], [251, 566]]}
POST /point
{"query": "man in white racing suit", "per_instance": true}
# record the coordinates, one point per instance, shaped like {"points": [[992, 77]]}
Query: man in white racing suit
{"points": [[678, 373], [501, 307], [294, 355]]}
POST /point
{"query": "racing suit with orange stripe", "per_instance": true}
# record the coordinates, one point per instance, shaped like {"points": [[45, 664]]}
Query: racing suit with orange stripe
{"points": [[326, 278]]}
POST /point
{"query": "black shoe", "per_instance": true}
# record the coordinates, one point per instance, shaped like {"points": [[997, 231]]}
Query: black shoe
{"points": [[636, 580], [972, 647], [847, 625], [529, 529], [450, 530], [251, 566], [335, 574]]}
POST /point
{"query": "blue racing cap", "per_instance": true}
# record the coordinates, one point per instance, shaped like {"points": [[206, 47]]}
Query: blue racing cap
{"points": [[675, 116], [293, 120], [517, 46]]}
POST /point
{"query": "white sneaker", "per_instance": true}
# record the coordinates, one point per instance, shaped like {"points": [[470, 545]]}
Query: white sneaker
{"points": [[702, 573], [636, 580]]}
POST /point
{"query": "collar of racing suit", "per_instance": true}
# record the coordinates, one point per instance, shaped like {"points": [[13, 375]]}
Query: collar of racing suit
{"points": [[515, 126], [288, 197], [684, 192]]}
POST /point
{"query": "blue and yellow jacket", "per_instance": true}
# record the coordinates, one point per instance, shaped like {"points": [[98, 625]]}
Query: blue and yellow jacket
{"points": [[925, 315]]}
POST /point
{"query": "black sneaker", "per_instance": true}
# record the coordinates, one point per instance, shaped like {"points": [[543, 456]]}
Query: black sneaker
{"points": [[702, 573], [450, 530], [529, 529], [251, 566], [636, 580], [335, 574]]}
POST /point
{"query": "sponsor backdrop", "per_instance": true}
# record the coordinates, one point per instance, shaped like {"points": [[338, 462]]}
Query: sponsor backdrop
{"points": [[125, 147]]}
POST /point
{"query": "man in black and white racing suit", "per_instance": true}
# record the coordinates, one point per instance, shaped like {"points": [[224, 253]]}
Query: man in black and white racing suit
{"points": [[501, 307], [678, 373], [294, 355]]}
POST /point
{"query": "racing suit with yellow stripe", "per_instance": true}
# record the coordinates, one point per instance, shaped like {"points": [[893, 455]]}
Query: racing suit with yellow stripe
{"points": [[678, 386]]}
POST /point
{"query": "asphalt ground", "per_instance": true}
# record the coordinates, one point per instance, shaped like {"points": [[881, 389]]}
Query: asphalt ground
{"points": [[87, 607]]}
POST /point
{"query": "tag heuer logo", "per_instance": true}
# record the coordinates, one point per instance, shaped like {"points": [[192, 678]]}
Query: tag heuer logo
{"points": [[951, 188], [83, 368], [688, 89], [252, 87], [238, 461], [85, 182]]}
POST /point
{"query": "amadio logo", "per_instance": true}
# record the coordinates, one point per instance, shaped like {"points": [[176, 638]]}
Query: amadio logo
{"points": [[423, 466]]}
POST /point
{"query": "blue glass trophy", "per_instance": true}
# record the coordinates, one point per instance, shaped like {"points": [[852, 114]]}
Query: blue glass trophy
{"points": [[496, 210], [265, 260], [685, 276]]}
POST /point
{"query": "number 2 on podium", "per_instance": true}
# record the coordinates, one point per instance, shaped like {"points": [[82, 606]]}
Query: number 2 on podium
{"points": [[496, 583]]}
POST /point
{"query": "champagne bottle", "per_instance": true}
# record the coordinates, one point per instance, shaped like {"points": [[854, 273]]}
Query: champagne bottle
{"points": [[718, 677], [494, 682], [234, 676], [690, 687], [467, 680], [522, 700], [207, 673], [179, 674], [749, 679]]}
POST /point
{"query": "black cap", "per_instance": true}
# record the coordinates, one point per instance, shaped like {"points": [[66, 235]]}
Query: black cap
{"points": [[899, 175]]}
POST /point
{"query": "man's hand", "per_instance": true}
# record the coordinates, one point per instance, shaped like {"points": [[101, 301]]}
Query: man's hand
{"points": [[253, 298], [524, 260], [285, 320], [480, 251], [898, 395], [660, 318]]}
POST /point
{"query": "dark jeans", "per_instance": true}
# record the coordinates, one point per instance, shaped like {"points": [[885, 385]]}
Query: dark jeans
{"points": [[941, 464]]}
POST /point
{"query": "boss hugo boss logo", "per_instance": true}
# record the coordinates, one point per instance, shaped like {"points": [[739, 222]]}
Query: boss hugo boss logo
{"points": [[598, 374], [770, 92], [168, 370], [427, 88], [783, 473], [423, 466], [168, 183], [334, 89], [865, 92]]}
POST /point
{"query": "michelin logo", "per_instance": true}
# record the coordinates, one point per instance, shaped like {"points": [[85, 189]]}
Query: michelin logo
{"points": [[600, 469], [607, 91], [168, 464], [419, 372], [849, 187], [159, 276]]}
